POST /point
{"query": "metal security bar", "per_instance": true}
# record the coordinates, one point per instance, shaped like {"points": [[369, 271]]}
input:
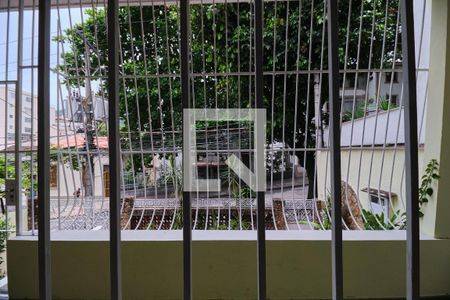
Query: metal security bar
{"points": [[185, 38], [114, 151], [45, 284], [335, 138], [261, 199], [411, 155]]}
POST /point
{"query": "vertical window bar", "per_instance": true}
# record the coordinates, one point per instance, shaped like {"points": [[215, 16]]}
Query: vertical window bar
{"points": [[185, 94], [114, 149], [411, 144], [45, 285], [259, 89], [18, 124], [335, 163]]}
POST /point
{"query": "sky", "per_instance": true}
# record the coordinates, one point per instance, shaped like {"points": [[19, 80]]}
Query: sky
{"points": [[9, 24], [8, 55]]}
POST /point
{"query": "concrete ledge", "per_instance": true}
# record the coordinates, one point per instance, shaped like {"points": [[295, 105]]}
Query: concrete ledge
{"points": [[224, 235], [224, 265]]}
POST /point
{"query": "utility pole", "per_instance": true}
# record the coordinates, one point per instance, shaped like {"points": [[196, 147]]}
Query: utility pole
{"points": [[89, 129], [88, 119], [88, 166], [318, 112]]}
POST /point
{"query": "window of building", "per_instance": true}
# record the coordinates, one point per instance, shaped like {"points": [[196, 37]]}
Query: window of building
{"points": [[11, 116], [380, 206], [391, 76], [27, 120], [53, 176], [379, 202], [394, 100], [27, 129], [28, 99]]}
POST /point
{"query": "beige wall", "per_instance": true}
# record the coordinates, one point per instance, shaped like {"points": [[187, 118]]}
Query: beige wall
{"points": [[436, 221], [298, 266]]}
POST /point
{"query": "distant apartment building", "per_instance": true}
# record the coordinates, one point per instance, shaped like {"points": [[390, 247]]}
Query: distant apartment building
{"points": [[376, 87], [8, 117], [60, 125]]}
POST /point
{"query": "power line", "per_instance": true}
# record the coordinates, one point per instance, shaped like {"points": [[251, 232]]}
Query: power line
{"points": [[27, 59], [27, 38]]}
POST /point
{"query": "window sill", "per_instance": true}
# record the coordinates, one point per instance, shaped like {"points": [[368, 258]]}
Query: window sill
{"points": [[226, 235]]}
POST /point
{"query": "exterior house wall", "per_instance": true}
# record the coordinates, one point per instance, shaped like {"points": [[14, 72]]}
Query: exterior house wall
{"points": [[69, 179], [361, 168]]}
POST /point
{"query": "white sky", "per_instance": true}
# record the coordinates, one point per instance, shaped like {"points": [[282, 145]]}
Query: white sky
{"points": [[9, 60]]}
